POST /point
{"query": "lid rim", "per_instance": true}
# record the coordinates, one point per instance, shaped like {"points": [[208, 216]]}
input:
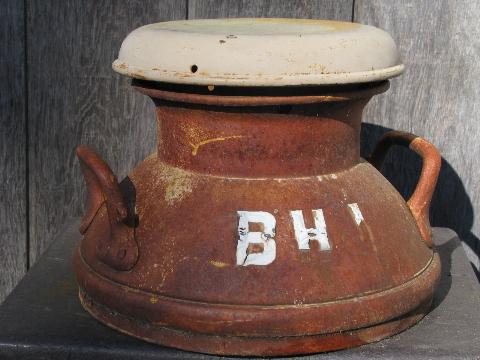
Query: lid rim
{"points": [[294, 79]]}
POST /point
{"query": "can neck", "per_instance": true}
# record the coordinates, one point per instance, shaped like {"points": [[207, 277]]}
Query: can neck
{"points": [[276, 135], [260, 144]]}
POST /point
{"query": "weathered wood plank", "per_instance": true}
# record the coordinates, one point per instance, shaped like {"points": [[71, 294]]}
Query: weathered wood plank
{"points": [[437, 97], [13, 219], [75, 97], [328, 9]]}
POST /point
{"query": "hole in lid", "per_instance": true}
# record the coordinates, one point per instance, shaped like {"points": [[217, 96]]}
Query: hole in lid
{"points": [[193, 68]]}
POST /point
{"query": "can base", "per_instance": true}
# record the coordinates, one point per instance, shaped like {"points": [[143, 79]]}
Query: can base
{"points": [[250, 346]]}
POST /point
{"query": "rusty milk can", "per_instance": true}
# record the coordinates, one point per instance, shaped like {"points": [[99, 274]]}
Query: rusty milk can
{"points": [[256, 228]]}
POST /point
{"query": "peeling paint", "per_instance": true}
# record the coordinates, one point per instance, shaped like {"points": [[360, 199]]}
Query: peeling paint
{"points": [[178, 183], [139, 75], [264, 238], [304, 235], [218, 264], [327, 177], [177, 188], [357, 214]]}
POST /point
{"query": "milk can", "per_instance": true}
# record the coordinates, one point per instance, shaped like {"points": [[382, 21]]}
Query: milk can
{"points": [[256, 228]]}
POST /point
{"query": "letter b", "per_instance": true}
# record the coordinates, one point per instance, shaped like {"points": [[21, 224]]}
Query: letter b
{"points": [[263, 239]]}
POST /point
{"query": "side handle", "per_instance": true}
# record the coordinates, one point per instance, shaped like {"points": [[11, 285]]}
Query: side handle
{"points": [[119, 250], [419, 202]]}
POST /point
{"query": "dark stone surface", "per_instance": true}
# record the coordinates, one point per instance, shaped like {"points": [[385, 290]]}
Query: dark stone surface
{"points": [[43, 319]]}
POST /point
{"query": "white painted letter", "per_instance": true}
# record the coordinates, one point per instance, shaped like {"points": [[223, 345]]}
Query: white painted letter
{"points": [[357, 214], [304, 236], [265, 238]]}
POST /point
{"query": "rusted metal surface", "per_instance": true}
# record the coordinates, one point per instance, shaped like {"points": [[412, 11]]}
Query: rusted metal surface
{"points": [[419, 202], [259, 229], [117, 246], [251, 96]]}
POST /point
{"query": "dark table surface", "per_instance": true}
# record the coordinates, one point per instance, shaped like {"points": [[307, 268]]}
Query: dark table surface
{"points": [[43, 319]]}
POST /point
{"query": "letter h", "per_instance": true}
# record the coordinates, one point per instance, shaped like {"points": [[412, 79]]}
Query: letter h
{"points": [[304, 235]]}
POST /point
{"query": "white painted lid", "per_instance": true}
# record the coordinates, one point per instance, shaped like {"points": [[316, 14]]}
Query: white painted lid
{"points": [[259, 52]]}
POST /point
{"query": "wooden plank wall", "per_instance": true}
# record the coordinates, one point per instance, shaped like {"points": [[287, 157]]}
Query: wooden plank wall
{"points": [[314, 9], [72, 96], [75, 97], [13, 172]]}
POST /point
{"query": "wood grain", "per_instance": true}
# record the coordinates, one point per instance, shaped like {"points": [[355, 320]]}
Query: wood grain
{"points": [[328, 9], [13, 221], [75, 97], [438, 98]]}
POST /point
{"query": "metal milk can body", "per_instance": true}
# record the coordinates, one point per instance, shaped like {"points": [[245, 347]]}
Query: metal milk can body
{"points": [[256, 228]]}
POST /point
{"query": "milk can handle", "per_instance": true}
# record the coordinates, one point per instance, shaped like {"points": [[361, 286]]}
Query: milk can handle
{"points": [[419, 202], [118, 249], [102, 187]]}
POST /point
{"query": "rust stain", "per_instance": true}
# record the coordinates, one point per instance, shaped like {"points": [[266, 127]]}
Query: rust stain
{"points": [[318, 67], [196, 147], [138, 75]]}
